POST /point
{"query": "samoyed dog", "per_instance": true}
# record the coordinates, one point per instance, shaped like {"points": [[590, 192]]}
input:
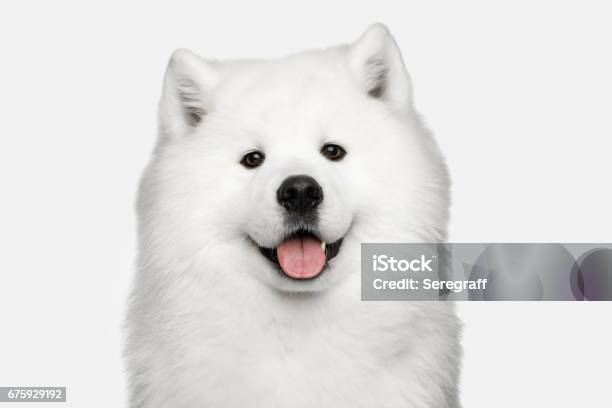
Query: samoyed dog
{"points": [[266, 178]]}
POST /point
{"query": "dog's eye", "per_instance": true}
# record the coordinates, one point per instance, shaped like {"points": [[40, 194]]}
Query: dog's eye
{"points": [[333, 151], [253, 159]]}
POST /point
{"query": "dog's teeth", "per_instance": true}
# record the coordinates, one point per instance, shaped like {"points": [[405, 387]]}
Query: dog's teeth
{"points": [[323, 244]]}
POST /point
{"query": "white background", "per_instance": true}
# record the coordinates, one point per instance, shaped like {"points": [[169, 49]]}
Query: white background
{"points": [[517, 93]]}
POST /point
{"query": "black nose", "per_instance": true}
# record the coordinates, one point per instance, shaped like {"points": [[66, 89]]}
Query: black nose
{"points": [[299, 194]]}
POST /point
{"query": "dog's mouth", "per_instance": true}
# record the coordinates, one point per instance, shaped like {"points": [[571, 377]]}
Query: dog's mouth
{"points": [[302, 255]]}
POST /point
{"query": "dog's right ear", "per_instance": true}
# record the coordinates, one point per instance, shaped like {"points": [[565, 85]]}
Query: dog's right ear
{"points": [[186, 95], [377, 64]]}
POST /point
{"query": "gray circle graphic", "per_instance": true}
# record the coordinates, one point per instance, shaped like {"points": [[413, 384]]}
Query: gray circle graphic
{"points": [[594, 277], [524, 272]]}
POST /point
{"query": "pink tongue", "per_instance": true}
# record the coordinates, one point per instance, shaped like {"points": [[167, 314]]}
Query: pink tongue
{"points": [[301, 258]]}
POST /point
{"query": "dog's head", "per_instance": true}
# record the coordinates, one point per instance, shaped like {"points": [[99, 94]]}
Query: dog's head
{"points": [[280, 168]]}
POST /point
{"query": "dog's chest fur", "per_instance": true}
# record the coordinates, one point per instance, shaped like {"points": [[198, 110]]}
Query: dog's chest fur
{"points": [[269, 349]]}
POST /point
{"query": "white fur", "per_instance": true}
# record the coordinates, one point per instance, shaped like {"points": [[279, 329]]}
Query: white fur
{"points": [[211, 322]]}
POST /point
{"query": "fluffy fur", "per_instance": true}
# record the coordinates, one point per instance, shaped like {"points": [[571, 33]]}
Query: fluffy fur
{"points": [[212, 323]]}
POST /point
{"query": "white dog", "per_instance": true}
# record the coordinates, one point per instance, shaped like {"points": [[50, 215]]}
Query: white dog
{"points": [[267, 176]]}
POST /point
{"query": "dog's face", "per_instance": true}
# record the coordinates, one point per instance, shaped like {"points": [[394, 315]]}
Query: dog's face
{"points": [[280, 169]]}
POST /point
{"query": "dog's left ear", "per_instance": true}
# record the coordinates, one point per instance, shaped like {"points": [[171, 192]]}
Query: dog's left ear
{"points": [[376, 62]]}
